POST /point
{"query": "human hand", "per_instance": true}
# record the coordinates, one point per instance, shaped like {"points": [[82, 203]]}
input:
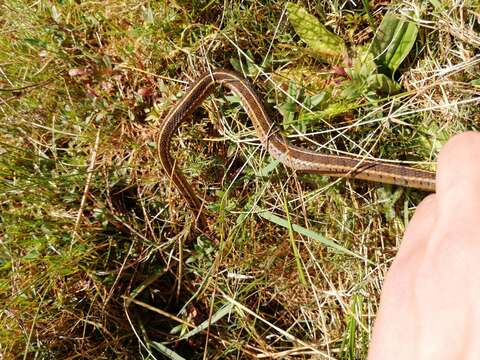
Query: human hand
{"points": [[430, 302]]}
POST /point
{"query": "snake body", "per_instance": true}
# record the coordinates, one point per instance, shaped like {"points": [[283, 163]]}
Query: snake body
{"points": [[297, 158]]}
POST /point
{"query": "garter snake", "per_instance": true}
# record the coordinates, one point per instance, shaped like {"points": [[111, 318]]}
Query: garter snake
{"points": [[297, 158]]}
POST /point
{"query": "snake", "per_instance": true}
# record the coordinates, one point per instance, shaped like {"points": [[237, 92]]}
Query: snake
{"points": [[295, 157]]}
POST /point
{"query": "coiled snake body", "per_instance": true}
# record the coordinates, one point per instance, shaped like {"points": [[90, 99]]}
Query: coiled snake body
{"points": [[277, 145]]}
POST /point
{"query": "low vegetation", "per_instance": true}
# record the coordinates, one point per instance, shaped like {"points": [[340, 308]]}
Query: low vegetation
{"points": [[98, 255]]}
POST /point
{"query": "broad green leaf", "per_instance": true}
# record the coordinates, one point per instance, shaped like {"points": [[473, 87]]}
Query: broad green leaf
{"points": [[324, 43], [363, 65], [362, 68], [364, 78], [318, 99], [288, 108], [382, 84], [393, 41]]}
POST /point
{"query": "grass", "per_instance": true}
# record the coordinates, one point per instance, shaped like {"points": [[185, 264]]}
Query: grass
{"points": [[97, 254]]}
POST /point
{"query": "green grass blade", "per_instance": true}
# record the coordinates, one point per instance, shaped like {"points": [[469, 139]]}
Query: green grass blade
{"points": [[293, 244], [225, 310], [166, 351], [267, 215]]}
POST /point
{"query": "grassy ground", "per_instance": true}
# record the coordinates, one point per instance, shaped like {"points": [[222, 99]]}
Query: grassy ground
{"points": [[98, 259]]}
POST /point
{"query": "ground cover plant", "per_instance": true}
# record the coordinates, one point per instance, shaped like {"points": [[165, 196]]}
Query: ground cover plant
{"points": [[98, 255]]}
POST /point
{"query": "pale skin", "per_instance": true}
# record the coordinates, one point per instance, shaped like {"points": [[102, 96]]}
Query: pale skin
{"points": [[430, 301]]}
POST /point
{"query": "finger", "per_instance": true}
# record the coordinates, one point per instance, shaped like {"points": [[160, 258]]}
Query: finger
{"points": [[421, 225], [458, 179], [424, 218]]}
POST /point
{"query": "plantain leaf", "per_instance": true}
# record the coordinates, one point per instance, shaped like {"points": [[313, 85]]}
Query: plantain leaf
{"points": [[324, 43], [393, 41]]}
